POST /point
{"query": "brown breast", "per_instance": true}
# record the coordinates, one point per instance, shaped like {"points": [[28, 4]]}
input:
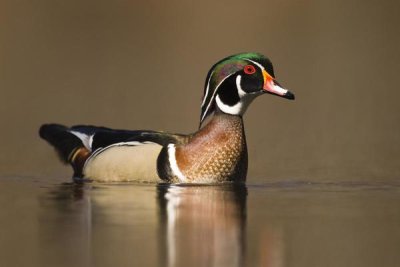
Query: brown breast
{"points": [[216, 153]]}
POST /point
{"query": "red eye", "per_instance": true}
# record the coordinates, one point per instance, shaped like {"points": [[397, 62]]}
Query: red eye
{"points": [[249, 69]]}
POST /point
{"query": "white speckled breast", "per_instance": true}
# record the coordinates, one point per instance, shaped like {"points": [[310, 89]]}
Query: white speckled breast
{"points": [[217, 152]]}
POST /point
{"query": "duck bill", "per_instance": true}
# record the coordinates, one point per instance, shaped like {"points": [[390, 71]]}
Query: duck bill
{"points": [[271, 86]]}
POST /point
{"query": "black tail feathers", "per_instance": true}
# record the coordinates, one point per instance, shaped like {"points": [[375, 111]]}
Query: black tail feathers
{"points": [[64, 142]]}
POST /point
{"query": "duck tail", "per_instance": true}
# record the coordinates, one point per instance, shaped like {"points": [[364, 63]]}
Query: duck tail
{"points": [[66, 143]]}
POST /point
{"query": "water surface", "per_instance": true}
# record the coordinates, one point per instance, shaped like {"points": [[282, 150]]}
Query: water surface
{"points": [[297, 223]]}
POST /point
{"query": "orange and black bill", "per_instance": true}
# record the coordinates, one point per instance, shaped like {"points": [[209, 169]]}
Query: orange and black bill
{"points": [[271, 86]]}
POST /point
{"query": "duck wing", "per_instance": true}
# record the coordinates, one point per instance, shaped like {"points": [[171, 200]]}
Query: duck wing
{"points": [[94, 137]]}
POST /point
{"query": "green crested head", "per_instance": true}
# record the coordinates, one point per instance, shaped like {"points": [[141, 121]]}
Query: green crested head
{"points": [[233, 82]]}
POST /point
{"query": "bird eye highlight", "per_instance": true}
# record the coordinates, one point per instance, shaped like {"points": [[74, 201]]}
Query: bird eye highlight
{"points": [[249, 69]]}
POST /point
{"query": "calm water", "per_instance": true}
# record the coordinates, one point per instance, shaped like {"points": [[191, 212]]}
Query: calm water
{"points": [[121, 63], [48, 223]]}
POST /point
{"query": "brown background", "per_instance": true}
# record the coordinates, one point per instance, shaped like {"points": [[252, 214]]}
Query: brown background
{"points": [[142, 65]]}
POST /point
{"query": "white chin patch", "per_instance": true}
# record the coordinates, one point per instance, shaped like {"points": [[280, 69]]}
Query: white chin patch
{"points": [[240, 107], [236, 109]]}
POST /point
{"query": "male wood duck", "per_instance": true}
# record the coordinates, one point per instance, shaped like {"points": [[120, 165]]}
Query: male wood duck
{"points": [[217, 152]]}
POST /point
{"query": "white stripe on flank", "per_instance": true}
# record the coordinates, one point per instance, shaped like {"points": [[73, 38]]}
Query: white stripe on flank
{"points": [[174, 165], [213, 95]]}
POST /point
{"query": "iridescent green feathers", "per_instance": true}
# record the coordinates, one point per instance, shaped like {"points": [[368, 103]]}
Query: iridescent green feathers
{"points": [[221, 71]]}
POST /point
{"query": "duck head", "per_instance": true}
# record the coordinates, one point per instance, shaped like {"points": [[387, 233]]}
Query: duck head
{"points": [[233, 82]]}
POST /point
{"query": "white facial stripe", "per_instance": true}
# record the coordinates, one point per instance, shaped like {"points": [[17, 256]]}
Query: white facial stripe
{"points": [[215, 91], [236, 109], [174, 165], [208, 89], [276, 89], [256, 63], [244, 100], [241, 92]]}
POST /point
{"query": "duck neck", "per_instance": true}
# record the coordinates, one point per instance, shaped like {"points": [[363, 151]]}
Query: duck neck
{"points": [[225, 134], [224, 123], [217, 152]]}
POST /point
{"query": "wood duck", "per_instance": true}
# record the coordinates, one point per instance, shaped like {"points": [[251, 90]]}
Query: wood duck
{"points": [[217, 152]]}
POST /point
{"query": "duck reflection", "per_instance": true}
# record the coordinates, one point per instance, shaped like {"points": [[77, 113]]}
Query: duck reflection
{"points": [[202, 224], [181, 225]]}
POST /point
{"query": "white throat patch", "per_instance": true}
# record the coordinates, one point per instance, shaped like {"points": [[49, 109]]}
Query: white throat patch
{"points": [[240, 107]]}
